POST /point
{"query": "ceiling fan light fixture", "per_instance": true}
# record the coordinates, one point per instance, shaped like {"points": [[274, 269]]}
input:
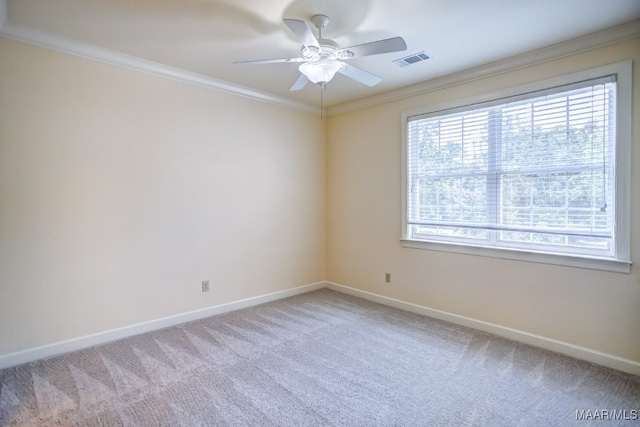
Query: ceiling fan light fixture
{"points": [[321, 71], [322, 58]]}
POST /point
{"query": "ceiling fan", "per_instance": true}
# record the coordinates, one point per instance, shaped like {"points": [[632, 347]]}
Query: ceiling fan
{"points": [[322, 58]]}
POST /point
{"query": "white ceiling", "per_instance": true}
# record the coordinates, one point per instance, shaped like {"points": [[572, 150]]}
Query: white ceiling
{"points": [[207, 36]]}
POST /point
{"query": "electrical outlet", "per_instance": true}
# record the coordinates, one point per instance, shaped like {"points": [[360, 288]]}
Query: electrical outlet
{"points": [[387, 277], [205, 286]]}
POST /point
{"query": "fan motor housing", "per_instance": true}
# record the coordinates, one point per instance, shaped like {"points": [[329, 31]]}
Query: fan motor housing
{"points": [[328, 50]]}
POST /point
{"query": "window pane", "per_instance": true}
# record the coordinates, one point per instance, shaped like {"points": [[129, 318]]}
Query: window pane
{"points": [[572, 202], [453, 232], [451, 144], [555, 242], [461, 200], [559, 131]]}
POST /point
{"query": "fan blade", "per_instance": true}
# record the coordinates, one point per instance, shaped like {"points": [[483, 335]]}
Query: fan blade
{"points": [[270, 61], [302, 30], [300, 83], [395, 44], [360, 75]]}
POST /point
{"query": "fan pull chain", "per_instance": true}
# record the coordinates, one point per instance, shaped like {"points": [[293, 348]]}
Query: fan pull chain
{"points": [[322, 89]]}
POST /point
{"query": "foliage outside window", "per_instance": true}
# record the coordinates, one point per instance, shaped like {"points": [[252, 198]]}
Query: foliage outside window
{"points": [[533, 172]]}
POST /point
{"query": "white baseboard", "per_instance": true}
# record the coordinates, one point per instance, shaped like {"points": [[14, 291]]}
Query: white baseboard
{"points": [[604, 359], [54, 349]]}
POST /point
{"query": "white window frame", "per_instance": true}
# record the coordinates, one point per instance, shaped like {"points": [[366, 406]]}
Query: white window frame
{"points": [[622, 261]]}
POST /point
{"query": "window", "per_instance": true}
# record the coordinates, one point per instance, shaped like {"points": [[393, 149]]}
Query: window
{"points": [[544, 171]]}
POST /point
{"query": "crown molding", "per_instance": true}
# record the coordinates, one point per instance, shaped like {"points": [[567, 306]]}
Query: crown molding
{"points": [[585, 43], [66, 45], [62, 44]]}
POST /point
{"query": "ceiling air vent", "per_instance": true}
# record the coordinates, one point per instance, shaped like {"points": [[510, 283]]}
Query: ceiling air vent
{"points": [[411, 59]]}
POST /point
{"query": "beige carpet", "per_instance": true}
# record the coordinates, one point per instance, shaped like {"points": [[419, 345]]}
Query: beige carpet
{"points": [[318, 359]]}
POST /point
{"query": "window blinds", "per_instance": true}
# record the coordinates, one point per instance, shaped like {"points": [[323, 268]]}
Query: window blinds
{"points": [[533, 169]]}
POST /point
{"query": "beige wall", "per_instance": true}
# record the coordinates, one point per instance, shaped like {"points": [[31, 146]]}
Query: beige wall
{"points": [[593, 309], [121, 191]]}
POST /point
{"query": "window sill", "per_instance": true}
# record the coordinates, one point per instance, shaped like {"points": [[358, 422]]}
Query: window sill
{"points": [[604, 264]]}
